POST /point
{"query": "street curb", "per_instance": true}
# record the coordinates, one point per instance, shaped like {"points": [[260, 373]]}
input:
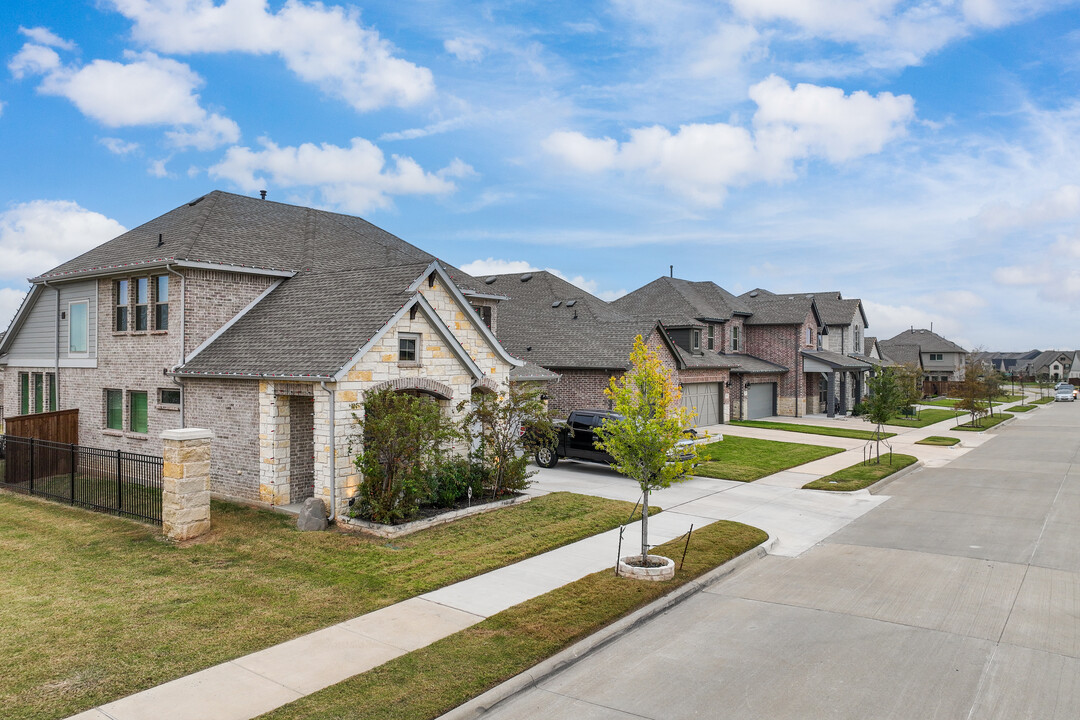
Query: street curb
{"points": [[480, 705], [885, 481]]}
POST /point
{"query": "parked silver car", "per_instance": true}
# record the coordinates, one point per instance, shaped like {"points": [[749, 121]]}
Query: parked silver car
{"points": [[1064, 393]]}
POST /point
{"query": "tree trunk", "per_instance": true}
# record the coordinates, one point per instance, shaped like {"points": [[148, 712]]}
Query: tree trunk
{"points": [[645, 529]]}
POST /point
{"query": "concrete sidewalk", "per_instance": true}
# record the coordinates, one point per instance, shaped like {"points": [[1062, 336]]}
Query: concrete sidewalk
{"points": [[243, 688]]}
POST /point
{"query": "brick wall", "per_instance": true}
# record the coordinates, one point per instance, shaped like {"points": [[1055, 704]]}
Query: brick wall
{"points": [[213, 298], [579, 390], [231, 409], [301, 448]]}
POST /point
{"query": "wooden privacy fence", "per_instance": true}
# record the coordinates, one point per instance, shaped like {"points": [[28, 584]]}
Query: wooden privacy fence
{"points": [[948, 388], [61, 426]]}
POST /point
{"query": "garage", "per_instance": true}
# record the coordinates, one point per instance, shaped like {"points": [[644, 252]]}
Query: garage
{"points": [[704, 399], [761, 400]]}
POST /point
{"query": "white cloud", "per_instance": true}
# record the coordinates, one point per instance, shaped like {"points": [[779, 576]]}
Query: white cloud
{"points": [[145, 90], [498, 266], [10, 300], [465, 49], [888, 320], [157, 168], [702, 161], [45, 36], [117, 146], [357, 178], [1061, 203], [957, 301], [324, 45], [39, 235], [1054, 276]]}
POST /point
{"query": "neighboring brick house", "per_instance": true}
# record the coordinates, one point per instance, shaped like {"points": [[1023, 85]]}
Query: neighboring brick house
{"points": [[586, 341], [262, 321], [941, 360], [1052, 365]]}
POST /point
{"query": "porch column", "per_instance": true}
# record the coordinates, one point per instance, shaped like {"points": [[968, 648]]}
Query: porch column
{"points": [[185, 490], [830, 397], [843, 393], [858, 386]]}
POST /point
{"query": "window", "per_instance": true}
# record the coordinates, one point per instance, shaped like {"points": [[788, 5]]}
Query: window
{"points": [[142, 299], [710, 343], [24, 393], [169, 396], [484, 311], [735, 338], [695, 341], [858, 340], [51, 378], [78, 327], [39, 393], [161, 302], [137, 412], [937, 356], [809, 336], [120, 311], [408, 347], [114, 409]]}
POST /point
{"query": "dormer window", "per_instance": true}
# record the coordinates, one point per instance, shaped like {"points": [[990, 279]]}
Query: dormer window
{"points": [[735, 341], [810, 336], [484, 311], [937, 356], [695, 341], [711, 337]]}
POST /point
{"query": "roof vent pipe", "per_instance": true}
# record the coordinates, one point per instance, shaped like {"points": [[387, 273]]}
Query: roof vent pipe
{"points": [[262, 194], [671, 270], [160, 240]]}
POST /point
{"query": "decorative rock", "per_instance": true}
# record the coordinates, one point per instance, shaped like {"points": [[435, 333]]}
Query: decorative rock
{"points": [[312, 515], [665, 570]]}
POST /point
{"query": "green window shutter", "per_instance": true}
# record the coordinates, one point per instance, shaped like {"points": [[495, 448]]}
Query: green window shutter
{"points": [[138, 412], [114, 409], [24, 393], [39, 393]]}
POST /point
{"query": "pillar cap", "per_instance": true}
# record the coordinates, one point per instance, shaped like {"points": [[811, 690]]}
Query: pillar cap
{"points": [[188, 434]]}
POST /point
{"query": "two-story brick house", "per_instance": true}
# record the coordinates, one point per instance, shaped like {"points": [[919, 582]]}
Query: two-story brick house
{"points": [[941, 360], [263, 321]]}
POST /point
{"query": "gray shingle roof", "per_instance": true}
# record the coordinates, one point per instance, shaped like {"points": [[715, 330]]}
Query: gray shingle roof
{"points": [[678, 302], [750, 365], [901, 354], [779, 309], [532, 372], [310, 326], [836, 360], [227, 229], [926, 340]]}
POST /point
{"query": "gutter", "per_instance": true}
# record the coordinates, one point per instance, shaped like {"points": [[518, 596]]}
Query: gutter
{"points": [[333, 455], [183, 340], [56, 347]]}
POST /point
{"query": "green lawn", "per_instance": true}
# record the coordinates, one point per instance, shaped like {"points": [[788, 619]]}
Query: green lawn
{"points": [[1043, 401], [862, 475], [95, 608], [810, 429], [926, 417], [1022, 408], [429, 682], [985, 422], [1008, 398], [938, 440], [746, 459], [951, 402]]}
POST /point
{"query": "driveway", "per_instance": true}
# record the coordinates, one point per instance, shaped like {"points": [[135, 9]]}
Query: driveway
{"points": [[957, 598]]}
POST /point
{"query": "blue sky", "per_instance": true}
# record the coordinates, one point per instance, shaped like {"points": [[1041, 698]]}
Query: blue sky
{"points": [[923, 156]]}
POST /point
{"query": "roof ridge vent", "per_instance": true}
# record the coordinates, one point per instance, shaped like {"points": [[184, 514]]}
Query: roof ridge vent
{"points": [[557, 303], [526, 277], [571, 303], [490, 279], [196, 201], [754, 293]]}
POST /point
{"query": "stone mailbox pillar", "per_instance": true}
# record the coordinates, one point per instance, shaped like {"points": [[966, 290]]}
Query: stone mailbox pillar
{"points": [[185, 496]]}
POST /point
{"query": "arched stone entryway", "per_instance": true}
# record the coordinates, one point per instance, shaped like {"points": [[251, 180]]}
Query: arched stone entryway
{"points": [[423, 385]]}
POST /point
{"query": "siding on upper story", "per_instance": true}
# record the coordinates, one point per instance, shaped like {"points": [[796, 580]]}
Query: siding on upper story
{"points": [[34, 344]]}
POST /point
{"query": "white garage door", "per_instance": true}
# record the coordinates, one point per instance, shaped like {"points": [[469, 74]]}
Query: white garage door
{"points": [[762, 400], [704, 399]]}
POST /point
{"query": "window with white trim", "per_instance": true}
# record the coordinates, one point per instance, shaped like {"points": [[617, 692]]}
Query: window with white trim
{"points": [[409, 348], [79, 327]]}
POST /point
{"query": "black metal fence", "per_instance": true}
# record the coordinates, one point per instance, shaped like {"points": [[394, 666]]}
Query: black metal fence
{"points": [[112, 481]]}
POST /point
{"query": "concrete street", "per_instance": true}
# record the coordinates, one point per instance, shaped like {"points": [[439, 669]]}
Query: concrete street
{"points": [[959, 597]]}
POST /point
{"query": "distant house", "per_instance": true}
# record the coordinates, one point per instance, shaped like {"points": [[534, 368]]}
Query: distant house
{"points": [[1052, 365], [941, 360], [262, 321]]}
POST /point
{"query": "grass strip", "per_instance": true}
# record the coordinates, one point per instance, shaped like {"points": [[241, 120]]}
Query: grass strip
{"points": [[809, 429], [951, 402], [95, 608], [746, 459], [938, 441], [433, 680], [985, 423], [926, 417], [1042, 401], [861, 475], [1022, 408]]}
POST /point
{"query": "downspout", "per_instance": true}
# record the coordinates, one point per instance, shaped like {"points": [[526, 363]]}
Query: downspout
{"points": [[798, 369], [56, 347], [183, 353], [333, 455]]}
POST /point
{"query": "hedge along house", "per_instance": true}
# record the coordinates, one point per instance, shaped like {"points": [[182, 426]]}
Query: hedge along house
{"points": [[559, 327], [263, 321]]}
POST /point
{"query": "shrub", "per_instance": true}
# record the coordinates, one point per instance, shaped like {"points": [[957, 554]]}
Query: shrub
{"points": [[451, 481]]}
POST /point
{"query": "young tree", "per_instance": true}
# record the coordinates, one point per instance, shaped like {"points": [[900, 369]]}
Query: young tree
{"points": [[972, 390], [402, 439], [504, 429], [992, 386], [909, 381], [884, 401], [642, 441]]}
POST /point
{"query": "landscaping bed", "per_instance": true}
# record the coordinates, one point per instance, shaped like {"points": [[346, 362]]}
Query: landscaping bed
{"points": [[925, 417], [938, 441], [747, 459], [810, 429], [429, 682], [985, 423], [95, 608], [862, 475]]}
